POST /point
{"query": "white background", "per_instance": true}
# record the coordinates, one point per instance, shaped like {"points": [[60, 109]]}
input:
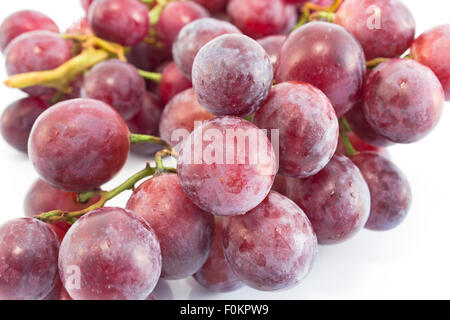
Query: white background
{"points": [[410, 262]]}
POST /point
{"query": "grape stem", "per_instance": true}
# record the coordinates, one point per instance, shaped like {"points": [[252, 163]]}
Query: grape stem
{"points": [[375, 62], [322, 16], [310, 6], [345, 128], [153, 76], [93, 41], [144, 138]]}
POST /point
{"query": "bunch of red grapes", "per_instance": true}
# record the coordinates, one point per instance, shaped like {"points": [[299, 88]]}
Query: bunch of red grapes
{"points": [[325, 86]]}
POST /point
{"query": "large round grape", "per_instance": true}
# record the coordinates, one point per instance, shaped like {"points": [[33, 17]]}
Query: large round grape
{"points": [[29, 259], [273, 246], [193, 37], [403, 100], [37, 51], [78, 145], [433, 50], [123, 21], [390, 192], [336, 200], [18, 119], [22, 22], [273, 45], [232, 75], [185, 232], [306, 124], [110, 254], [384, 28], [173, 81], [227, 166], [328, 57]]}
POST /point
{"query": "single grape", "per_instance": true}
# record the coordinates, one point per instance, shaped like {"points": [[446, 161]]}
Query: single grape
{"points": [[403, 100], [123, 21], [432, 49], [80, 27], [118, 84], [114, 253], [147, 122], [175, 15], [213, 6], [390, 192], [21, 22], [216, 275], [336, 200], [272, 45], [306, 124], [179, 117], [273, 246], [232, 75], [18, 119], [383, 28], [193, 37], [260, 18], [227, 166], [359, 145], [29, 259], [173, 82], [328, 57], [185, 232], [78, 145], [37, 51], [86, 4], [147, 57]]}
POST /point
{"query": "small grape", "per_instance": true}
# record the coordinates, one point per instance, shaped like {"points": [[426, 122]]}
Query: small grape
{"points": [[147, 57], [272, 45], [173, 82]]}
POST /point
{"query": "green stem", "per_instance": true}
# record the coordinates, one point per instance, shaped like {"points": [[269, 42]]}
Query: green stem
{"points": [[344, 125], [375, 62], [153, 76], [144, 138], [351, 151], [323, 16], [310, 6]]}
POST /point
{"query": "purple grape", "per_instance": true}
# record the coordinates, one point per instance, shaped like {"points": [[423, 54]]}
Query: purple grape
{"points": [[147, 57], [272, 45], [173, 82]]}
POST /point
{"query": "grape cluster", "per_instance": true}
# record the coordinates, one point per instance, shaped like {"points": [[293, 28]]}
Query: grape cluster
{"points": [[278, 114]]}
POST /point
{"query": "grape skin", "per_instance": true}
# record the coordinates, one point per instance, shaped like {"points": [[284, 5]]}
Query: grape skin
{"points": [[232, 75], [273, 246], [307, 124], [213, 6], [147, 57], [272, 45], [29, 256], [328, 57], [78, 145], [185, 231], [173, 82], [117, 253]]}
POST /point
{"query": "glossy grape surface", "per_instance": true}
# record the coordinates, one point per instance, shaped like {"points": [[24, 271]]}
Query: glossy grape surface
{"points": [[272, 45], [18, 119], [227, 166], [433, 50], [185, 232], [328, 57], [118, 84], [29, 259], [232, 75], [403, 100], [273, 246], [78, 145], [21, 22], [116, 254], [390, 192], [173, 82], [336, 200], [306, 124], [383, 28], [193, 37], [123, 21]]}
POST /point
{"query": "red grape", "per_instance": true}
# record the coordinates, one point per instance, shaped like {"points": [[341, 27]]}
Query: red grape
{"points": [[307, 126], [78, 145], [336, 200], [123, 21], [328, 57], [118, 84], [213, 6], [185, 232], [272, 45], [232, 75], [273, 246], [22, 22], [180, 114], [384, 28], [147, 57], [173, 82], [29, 259], [216, 274], [227, 166], [193, 37], [18, 119], [390, 193], [116, 255], [403, 100], [432, 49], [37, 51], [175, 15]]}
